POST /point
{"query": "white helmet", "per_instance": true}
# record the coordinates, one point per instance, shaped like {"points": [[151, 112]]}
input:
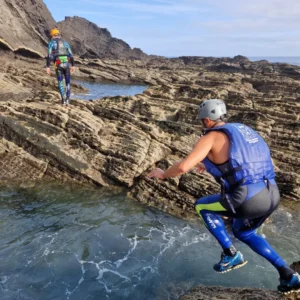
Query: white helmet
{"points": [[212, 109]]}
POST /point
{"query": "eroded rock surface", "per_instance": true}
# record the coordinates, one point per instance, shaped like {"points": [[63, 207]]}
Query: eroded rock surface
{"points": [[25, 25], [222, 293], [226, 293], [117, 140]]}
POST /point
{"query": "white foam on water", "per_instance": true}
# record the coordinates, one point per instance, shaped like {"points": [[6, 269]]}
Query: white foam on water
{"points": [[80, 281], [204, 237], [105, 286], [102, 271], [133, 244]]}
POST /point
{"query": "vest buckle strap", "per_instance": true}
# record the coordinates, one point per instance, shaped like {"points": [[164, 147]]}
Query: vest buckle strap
{"points": [[225, 196]]}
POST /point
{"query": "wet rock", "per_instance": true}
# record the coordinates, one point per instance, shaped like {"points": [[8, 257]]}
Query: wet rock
{"points": [[218, 293], [215, 292], [296, 266], [18, 165]]}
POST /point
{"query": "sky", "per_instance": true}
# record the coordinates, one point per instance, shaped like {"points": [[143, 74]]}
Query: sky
{"points": [[172, 28]]}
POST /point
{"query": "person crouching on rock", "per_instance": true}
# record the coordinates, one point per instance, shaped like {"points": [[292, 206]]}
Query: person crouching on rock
{"points": [[60, 53], [239, 159]]}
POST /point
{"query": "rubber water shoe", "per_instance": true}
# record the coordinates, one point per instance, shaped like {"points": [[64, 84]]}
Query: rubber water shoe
{"points": [[228, 263], [290, 286], [65, 101]]}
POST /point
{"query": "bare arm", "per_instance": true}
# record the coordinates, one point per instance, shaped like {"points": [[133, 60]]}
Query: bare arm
{"points": [[199, 152], [49, 56]]}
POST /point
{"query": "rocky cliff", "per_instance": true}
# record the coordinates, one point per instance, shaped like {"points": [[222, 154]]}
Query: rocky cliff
{"points": [[114, 141], [90, 41], [25, 26]]}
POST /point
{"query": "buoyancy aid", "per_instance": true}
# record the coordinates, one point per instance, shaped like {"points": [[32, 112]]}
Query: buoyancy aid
{"points": [[249, 158], [59, 48]]}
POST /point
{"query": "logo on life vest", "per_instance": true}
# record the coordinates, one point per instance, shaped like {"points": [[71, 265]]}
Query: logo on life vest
{"points": [[249, 135], [211, 222]]}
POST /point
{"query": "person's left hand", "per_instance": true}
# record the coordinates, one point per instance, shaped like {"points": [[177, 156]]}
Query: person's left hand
{"points": [[72, 69], [157, 173], [200, 168]]}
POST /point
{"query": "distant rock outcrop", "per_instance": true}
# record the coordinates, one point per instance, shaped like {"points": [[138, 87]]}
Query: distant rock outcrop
{"points": [[25, 26], [90, 41]]}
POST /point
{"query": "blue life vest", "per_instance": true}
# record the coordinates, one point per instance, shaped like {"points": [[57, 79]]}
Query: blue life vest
{"points": [[249, 157]]}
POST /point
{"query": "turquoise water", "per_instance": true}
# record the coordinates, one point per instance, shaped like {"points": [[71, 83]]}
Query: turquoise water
{"points": [[99, 90], [68, 242]]}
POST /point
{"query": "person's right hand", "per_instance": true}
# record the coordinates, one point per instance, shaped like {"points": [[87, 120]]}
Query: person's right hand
{"points": [[48, 71], [200, 168], [157, 173]]}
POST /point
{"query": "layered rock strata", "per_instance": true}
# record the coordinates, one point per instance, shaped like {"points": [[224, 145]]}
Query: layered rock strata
{"points": [[117, 140], [25, 26]]}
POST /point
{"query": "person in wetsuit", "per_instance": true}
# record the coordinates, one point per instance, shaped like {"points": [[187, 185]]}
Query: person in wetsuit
{"points": [[239, 159], [60, 53]]}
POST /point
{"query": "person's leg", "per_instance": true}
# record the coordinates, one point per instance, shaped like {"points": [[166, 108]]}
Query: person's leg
{"points": [[209, 208], [246, 232], [68, 83], [245, 229], [60, 79]]}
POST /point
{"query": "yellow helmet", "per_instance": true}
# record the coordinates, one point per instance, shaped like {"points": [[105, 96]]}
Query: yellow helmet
{"points": [[54, 32]]}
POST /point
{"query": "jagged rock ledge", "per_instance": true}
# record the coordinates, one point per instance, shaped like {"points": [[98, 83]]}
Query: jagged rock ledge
{"points": [[116, 140], [217, 293], [224, 293], [24, 51]]}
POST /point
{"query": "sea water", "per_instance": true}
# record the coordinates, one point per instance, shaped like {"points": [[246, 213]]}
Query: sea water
{"points": [[70, 242], [100, 90]]}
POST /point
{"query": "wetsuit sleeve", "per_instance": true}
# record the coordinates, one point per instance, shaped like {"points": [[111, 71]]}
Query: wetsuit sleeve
{"points": [[70, 54], [49, 56]]}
